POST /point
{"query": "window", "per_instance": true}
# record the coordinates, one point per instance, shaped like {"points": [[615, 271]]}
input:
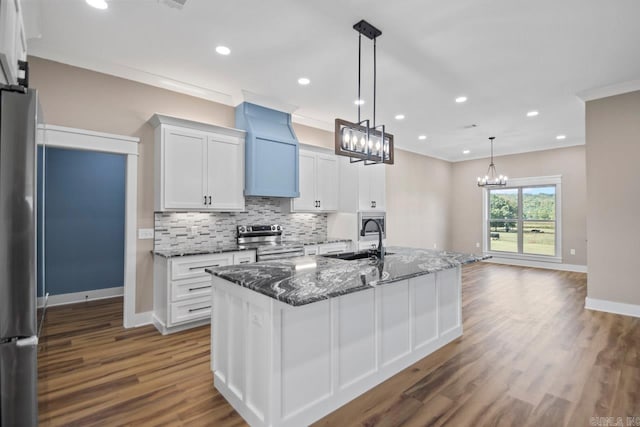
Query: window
{"points": [[522, 220]]}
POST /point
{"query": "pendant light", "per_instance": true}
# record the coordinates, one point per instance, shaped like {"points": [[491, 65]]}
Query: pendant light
{"points": [[492, 179], [364, 141]]}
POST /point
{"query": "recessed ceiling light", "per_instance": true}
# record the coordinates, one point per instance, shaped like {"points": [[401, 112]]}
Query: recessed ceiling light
{"points": [[466, 151], [303, 81], [399, 116], [532, 113], [223, 50], [561, 137], [461, 99], [359, 102], [98, 4], [422, 137]]}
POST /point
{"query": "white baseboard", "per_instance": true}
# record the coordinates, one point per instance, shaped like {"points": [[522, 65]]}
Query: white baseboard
{"points": [[539, 264], [76, 297], [142, 319], [612, 307]]}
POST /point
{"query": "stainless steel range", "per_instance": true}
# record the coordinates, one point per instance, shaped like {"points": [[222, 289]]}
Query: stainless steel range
{"points": [[267, 240]]}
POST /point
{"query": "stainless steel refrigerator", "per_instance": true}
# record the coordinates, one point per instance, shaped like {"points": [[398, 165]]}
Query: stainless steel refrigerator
{"points": [[18, 296]]}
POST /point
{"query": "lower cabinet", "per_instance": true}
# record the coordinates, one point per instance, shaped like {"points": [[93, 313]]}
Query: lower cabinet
{"points": [[182, 295]]}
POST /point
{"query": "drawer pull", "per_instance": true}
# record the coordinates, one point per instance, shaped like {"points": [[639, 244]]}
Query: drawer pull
{"points": [[199, 287], [198, 309], [334, 252], [245, 262], [203, 267]]}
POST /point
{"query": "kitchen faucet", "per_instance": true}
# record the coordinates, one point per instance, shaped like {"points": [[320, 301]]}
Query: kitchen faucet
{"points": [[380, 247]]}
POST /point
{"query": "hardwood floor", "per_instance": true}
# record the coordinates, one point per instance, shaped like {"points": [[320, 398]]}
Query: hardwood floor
{"points": [[530, 355]]}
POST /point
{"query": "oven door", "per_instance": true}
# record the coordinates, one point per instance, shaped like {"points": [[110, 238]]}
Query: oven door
{"points": [[269, 256], [371, 230]]}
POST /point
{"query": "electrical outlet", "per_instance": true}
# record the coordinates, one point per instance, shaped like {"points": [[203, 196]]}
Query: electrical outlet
{"points": [[145, 233], [477, 244], [573, 251], [435, 246]]}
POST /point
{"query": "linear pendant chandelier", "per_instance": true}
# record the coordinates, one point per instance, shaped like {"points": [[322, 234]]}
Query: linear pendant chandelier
{"points": [[364, 141], [492, 179]]}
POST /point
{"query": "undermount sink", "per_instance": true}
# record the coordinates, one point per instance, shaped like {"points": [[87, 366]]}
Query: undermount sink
{"points": [[353, 256]]}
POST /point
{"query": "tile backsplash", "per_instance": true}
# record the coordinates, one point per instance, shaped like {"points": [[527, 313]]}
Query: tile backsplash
{"points": [[175, 229]]}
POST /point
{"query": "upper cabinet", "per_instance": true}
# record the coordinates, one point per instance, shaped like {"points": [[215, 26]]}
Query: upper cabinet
{"points": [[271, 153], [318, 183], [362, 187], [13, 43], [197, 166]]}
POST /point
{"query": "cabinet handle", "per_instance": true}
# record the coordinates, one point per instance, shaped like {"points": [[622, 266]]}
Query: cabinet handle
{"points": [[205, 200], [319, 203], [206, 266], [191, 310], [245, 262], [209, 199], [199, 287]]}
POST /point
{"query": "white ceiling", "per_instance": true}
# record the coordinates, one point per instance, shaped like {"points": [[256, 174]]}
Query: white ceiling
{"points": [[507, 56]]}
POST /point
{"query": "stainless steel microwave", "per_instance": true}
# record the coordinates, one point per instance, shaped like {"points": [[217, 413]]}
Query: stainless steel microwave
{"points": [[371, 230]]}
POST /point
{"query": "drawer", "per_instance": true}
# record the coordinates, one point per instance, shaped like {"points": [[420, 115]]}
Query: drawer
{"points": [[190, 310], [332, 248], [190, 288], [244, 257], [311, 250], [189, 267]]}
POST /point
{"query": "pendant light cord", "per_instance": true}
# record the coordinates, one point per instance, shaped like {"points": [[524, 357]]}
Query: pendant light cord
{"points": [[374, 83], [359, 101]]}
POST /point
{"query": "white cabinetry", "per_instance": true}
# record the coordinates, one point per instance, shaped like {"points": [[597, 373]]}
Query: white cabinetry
{"points": [[318, 183], [362, 187], [198, 166], [182, 289], [13, 43]]}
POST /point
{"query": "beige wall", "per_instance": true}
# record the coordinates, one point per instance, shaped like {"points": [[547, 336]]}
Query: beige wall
{"points": [[466, 211], [613, 177], [418, 201], [84, 99]]}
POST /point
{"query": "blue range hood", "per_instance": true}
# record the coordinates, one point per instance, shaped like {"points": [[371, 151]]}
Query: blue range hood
{"points": [[271, 151]]}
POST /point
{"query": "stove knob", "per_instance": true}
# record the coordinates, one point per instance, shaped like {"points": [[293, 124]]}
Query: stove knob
{"points": [[248, 228], [279, 228], [273, 228], [242, 229]]}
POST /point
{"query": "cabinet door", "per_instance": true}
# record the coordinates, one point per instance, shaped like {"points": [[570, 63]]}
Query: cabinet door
{"points": [[377, 186], [225, 173], [184, 169], [365, 202], [307, 200], [327, 181]]}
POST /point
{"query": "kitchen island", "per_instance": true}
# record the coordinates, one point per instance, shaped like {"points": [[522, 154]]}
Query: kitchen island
{"points": [[295, 339]]}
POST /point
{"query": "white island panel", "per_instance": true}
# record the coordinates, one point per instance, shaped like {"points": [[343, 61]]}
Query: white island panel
{"points": [[356, 336]]}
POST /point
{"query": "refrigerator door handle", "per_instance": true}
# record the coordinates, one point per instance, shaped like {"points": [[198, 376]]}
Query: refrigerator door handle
{"points": [[25, 342]]}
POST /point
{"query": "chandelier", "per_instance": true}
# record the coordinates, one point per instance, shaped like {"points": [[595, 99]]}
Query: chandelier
{"points": [[364, 141], [492, 179]]}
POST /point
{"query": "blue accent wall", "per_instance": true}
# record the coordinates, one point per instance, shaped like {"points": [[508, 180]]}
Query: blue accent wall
{"points": [[84, 220], [271, 152]]}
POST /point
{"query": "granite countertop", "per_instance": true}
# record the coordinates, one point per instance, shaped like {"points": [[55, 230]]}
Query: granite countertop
{"points": [[233, 247], [201, 250], [303, 280], [324, 241]]}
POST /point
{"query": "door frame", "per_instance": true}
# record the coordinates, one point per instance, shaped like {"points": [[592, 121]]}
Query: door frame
{"points": [[81, 139]]}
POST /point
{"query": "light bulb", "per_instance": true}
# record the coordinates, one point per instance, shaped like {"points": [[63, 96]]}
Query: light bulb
{"points": [[345, 139]]}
